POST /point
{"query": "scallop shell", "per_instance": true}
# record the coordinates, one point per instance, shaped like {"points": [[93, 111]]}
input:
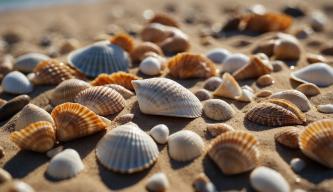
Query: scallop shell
{"points": [[164, 19], [161, 96], [119, 78], [213, 83], [150, 66], [288, 137], [328, 108], [319, 74], [229, 87], [308, 89], [13, 106], [218, 128], [138, 53], [276, 112], [188, 65], [121, 90], [316, 141], [160, 133], [16, 83], [234, 152], [102, 100], [265, 80], [234, 62], [267, 22], [218, 55], [141, 151], [39, 137], [203, 94], [158, 182], [73, 120], [100, 57], [65, 164], [218, 110], [185, 145], [124, 41], [26, 63], [295, 97]]}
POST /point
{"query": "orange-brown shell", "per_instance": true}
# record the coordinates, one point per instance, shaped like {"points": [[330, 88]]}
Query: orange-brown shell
{"points": [[288, 137], [267, 22], [217, 129], [124, 41], [120, 78], [164, 19], [256, 68], [138, 53]]}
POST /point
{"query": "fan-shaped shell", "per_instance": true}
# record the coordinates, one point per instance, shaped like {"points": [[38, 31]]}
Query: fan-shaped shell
{"points": [[73, 120], [288, 137], [102, 100], [121, 90], [158, 182], [218, 110], [127, 149], [138, 53], [119, 78], [295, 97], [164, 19], [26, 63], [16, 83], [308, 89], [185, 145], [218, 128], [100, 57], [229, 87], [234, 152], [124, 41], [161, 96], [234, 62], [160, 133], [39, 137], [267, 22], [218, 55], [13, 106], [327, 108]]}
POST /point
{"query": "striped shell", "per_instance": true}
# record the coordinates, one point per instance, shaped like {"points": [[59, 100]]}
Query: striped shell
{"points": [[26, 63], [234, 152], [102, 100], [127, 149], [316, 141], [100, 57], [288, 137], [138, 53], [73, 120], [161, 96], [124, 41], [16, 83], [308, 89], [295, 97], [121, 90], [229, 87], [217, 129], [218, 110], [39, 137], [119, 78]]}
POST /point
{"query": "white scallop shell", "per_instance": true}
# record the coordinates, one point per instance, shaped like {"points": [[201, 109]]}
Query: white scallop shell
{"points": [[185, 145], [160, 133], [234, 62], [121, 90], [218, 110], [26, 63], [218, 55], [327, 108], [150, 66], [16, 83], [162, 96], [65, 164], [295, 97], [319, 74], [127, 149], [100, 57], [158, 182]]}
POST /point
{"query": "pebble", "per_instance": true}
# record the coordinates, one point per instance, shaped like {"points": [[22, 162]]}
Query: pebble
{"points": [[297, 164], [203, 94]]}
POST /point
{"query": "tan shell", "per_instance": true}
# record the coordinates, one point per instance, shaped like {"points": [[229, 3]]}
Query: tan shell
{"points": [[316, 141], [39, 137], [234, 152], [138, 53], [218, 128], [120, 78], [287, 49], [264, 93], [315, 58], [288, 137], [73, 120], [164, 19], [121, 90], [229, 87], [154, 33], [218, 110], [265, 80], [295, 97], [308, 89], [124, 41]]}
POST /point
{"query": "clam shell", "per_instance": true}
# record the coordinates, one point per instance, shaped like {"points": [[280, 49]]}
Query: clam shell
{"points": [[203, 94], [267, 22], [288, 137], [102, 100], [124, 41], [218, 128], [160, 133], [16, 83], [158, 182], [13, 106], [39, 137], [100, 57], [287, 49], [138, 53], [234, 152], [229, 87], [119, 78], [212, 83], [164, 19], [218, 55], [127, 149], [264, 93], [26, 63], [161, 96], [234, 62], [185, 145], [121, 90], [265, 80], [295, 97], [150, 66], [308, 89], [328, 108], [218, 110], [73, 120], [65, 164]]}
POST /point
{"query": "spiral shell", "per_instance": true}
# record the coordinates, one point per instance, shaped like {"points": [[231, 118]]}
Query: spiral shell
{"points": [[308, 89], [26, 63], [229, 87], [218, 110], [121, 90], [16, 83], [295, 97], [124, 41], [138, 53], [288, 137], [119, 78]]}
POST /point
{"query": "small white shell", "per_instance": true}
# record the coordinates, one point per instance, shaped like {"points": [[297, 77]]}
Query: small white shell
{"points": [[26, 63], [160, 133], [203, 94], [212, 83], [158, 182], [328, 108], [218, 55], [16, 83], [234, 62], [218, 110], [295, 97], [297, 164], [185, 145], [150, 66], [65, 164]]}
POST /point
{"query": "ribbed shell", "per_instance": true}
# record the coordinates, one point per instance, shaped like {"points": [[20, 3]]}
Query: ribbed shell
{"points": [[288, 137], [229, 87], [16, 83], [124, 41], [127, 149], [234, 152], [100, 57], [119, 78], [218, 110], [26, 63], [73, 120], [121, 90], [102, 100], [295, 97], [161, 96], [39, 137], [138, 53]]}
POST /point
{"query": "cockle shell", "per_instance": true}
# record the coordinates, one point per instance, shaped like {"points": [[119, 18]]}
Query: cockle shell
{"points": [[160, 133], [13, 106], [39, 137], [234, 152], [65, 164], [124, 41], [73, 120], [327, 108], [158, 182], [119, 78], [316, 141], [202, 183], [218, 55], [288, 137], [127, 149], [203, 94], [229, 87], [234, 62], [287, 49], [150, 66], [276, 112], [185, 145], [16, 83], [218, 110], [218, 128], [102, 100], [138, 53], [161, 96], [308, 89], [319, 74], [188, 65], [26, 63], [295, 97], [267, 22], [100, 57], [265, 80], [121, 90], [164, 19], [212, 83]]}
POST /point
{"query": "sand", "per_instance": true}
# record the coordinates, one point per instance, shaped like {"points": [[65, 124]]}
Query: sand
{"points": [[84, 22]]}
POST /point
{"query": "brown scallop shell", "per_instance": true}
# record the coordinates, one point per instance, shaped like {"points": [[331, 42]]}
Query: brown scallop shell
{"points": [[267, 22], [217, 129], [120, 78], [164, 19], [138, 53], [308, 89], [288, 137], [124, 41]]}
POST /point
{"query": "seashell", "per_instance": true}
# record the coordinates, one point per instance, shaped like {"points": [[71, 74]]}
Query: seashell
{"points": [[277, 66], [31, 114], [315, 58], [160, 133], [266, 47], [4, 176], [218, 55], [137, 54], [234, 62], [39, 137], [16, 83], [67, 90], [265, 80], [319, 74], [246, 96], [164, 19], [234, 152], [121, 90], [124, 41], [100, 57], [247, 88], [218, 128], [318, 21], [26, 63], [177, 42], [188, 65], [297, 164], [266, 179], [328, 108], [276, 112], [73, 120], [141, 151], [158, 182], [264, 93], [213, 83], [218, 110], [202, 184], [287, 49], [119, 78], [53, 72], [69, 45], [123, 119], [102, 100], [172, 99], [288, 137], [13, 106], [203, 94], [295, 97], [229, 87], [16, 186], [308, 89], [316, 141], [53, 152], [150, 66], [185, 145], [155, 32], [65, 164], [267, 22], [6, 63]]}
